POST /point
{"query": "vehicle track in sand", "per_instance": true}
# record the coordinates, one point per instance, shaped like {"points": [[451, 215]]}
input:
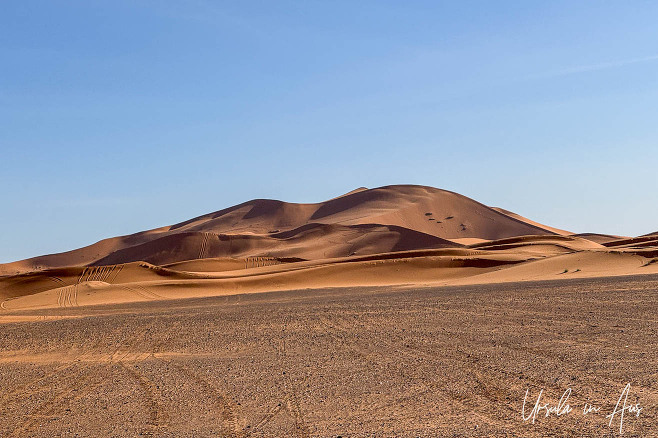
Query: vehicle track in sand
{"points": [[57, 280], [157, 419], [226, 411], [289, 387], [81, 357], [142, 292], [99, 273], [226, 408], [76, 384], [258, 262], [269, 416], [357, 361], [203, 247], [84, 374], [341, 330], [67, 296]]}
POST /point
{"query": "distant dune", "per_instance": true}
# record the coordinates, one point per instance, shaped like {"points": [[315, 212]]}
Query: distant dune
{"points": [[364, 221], [389, 235]]}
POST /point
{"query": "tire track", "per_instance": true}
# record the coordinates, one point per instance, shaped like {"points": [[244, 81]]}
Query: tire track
{"points": [[108, 271], [117, 271], [157, 417], [137, 292], [82, 275], [203, 248], [493, 393], [57, 280], [269, 416], [414, 353], [67, 296], [84, 384], [149, 293], [142, 292], [227, 412], [259, 262], [536, 316], [80, 382], [595, 377], [292, 400], [95, 273], [79, 358], [375, 356]]}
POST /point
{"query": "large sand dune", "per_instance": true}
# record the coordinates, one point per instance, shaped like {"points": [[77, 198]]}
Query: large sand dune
{"points": [[394, 235], [393, 215]]}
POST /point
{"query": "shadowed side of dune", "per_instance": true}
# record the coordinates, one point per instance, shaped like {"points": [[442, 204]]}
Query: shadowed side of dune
{"points": [[599, 238], [647, 240], [311, 241], [567, 242]]}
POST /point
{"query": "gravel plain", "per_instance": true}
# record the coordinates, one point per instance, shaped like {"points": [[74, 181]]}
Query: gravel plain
{"points": [[435, 362]]}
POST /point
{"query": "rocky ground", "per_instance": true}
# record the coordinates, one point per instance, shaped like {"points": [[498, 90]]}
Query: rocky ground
{"points": [[451, 361]]}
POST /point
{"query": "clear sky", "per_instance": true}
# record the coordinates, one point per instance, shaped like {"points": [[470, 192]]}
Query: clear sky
{"points": [[119, 116]]}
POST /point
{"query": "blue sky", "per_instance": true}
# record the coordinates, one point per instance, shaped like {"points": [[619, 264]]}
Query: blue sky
{"points": [[118, 116]]}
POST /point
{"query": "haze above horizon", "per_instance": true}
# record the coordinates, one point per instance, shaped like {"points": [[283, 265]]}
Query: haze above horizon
{"points": [[120, 116]]}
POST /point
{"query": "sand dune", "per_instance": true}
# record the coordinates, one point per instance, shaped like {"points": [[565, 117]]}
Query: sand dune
{"points": [[599, 238], [567, 242], [254, 228], [394, 235], [586, 264], [642, 241], [141, 281], [309, 241]]}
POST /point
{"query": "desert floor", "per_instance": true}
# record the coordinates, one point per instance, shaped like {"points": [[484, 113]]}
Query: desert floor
{"points": [[375, 361]]}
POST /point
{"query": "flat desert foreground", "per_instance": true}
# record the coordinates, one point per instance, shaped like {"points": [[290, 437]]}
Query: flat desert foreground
{"points": [[359, 361]]}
